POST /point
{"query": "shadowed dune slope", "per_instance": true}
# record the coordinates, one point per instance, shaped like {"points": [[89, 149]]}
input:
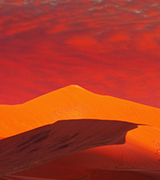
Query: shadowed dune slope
{"points": [[62, 138], [72, 102], [88, 175], [12, 177], [135, 159]]}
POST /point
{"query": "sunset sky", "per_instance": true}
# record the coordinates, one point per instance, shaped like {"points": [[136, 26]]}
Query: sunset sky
{"points": [[107, 47]]}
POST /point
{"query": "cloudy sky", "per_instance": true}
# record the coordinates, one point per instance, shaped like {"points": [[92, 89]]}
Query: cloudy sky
{"points": [[107, 47]]}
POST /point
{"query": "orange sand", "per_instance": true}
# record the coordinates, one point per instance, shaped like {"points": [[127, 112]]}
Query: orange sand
{"points": [[73, 102], [118, 139]]}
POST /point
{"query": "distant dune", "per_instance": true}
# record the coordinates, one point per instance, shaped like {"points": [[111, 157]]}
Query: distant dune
{"points": [[73, 102], [72, 134]]}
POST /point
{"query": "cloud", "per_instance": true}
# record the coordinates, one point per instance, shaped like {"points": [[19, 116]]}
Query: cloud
{"points": [[111, 55]]}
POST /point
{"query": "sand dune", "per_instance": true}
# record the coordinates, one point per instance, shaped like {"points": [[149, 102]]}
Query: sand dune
{"points": [[83, 135], [51, 142], [73, 102], [128, 160]]}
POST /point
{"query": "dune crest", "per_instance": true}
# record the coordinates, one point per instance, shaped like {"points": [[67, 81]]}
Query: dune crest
{"points": [[60, 139], [72, 102]]}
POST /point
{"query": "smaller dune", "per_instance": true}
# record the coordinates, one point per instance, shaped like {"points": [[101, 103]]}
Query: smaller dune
{"points": [[60, 139]]}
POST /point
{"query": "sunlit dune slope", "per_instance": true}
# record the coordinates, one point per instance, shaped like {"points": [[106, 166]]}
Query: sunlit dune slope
{"points": [[72, 102]]}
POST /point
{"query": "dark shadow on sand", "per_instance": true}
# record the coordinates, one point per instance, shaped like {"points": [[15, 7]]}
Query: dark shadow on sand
{"points": [[47, 143]]}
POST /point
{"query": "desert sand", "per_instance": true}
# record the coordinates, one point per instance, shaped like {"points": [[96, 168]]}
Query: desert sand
{"points": [[72, 133]]}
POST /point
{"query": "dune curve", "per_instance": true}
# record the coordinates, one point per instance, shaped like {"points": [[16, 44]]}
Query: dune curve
{"points": [[127, 142]]}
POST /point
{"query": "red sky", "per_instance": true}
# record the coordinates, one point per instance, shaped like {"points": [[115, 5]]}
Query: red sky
{"points": [[108, 47]]}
